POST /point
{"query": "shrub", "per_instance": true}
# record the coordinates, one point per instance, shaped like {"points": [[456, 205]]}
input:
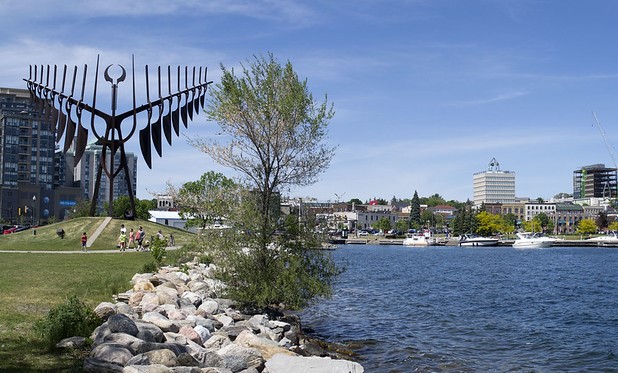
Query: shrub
{"points": [[151, 267], [157, 249], [70, 319]]}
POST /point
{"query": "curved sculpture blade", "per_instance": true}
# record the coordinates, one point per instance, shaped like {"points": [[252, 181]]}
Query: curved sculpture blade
{"points": [[156, 132], [70, 134], [144, 144], [167, 124], [176, 119], [62, 119], [80, 146]]}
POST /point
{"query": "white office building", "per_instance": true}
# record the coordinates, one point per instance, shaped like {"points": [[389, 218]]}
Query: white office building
{"points": [[493, 185]]}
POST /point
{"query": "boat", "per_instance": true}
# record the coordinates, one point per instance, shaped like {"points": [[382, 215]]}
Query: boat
{"points": [[473, 240], [422, 239], [609, 239], [528, 240]]}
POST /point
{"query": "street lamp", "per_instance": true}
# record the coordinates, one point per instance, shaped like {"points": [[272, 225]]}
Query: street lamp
{"points": [[33, 207]]}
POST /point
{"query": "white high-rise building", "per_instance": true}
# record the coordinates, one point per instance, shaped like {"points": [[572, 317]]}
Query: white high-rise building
{"points": [[493, 185]]}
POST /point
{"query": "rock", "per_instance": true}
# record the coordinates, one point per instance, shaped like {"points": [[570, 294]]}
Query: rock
{"points": [[217, 341], [266, 347], [145, 286], [281, 363], [104, 310], [237, 358], [113, 353], [203, 333], [149, 302], [209, 306], [224, 319], [151, 328], [147, 369], [131, 342], [72, 343], [192, 297], [121, 323], [136, 298], [191, 334], [162, 357], [161, 321], [175, 338], [99, 334], [99, 366]]}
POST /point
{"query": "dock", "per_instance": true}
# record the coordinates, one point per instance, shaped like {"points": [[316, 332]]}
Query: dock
{"points": [[455, 242]]}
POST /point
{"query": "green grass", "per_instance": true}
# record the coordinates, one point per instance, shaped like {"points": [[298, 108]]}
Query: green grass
{"points": [[32, 283], [46, 238]]}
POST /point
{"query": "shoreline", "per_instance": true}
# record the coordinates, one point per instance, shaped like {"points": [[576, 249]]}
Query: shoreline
{"points": [[173, 318]]}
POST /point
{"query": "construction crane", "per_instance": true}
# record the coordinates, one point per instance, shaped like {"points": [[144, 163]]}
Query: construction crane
{"points": [[610, 149]]}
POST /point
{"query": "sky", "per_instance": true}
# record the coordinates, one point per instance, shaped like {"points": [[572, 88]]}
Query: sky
{"points": [[425, 92]]}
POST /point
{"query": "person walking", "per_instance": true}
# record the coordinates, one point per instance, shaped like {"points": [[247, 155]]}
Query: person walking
{"points": [[122, 241], [141, 234], [131, 239], [84, 241]]}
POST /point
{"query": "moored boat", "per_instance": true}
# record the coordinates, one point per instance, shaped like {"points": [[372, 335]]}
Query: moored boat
{"points": [[609, 239], [528, 240], [473, 240], [423, 239]]}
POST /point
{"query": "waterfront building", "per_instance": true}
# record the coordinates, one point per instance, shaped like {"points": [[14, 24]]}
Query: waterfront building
{"points": [[565, 217], [493, 185], [595, 181], [533, 209], [34, 186]]}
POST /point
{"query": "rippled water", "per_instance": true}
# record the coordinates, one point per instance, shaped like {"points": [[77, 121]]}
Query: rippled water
{"points": [[458, 309]]}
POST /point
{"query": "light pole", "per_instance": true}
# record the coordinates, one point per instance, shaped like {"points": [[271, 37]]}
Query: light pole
{"points": [[33, 207]]}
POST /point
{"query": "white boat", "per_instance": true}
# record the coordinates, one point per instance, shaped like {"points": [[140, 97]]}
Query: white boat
{"points": [[419, 240], [472, 240], [609, 239], [528, 240]]}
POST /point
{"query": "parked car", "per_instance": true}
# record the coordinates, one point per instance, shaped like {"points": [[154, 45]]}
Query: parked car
{"points": [[363, 233]]}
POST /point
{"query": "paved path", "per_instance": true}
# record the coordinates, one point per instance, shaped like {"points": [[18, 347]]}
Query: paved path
{"points": [[79, 251], [98, 231]]}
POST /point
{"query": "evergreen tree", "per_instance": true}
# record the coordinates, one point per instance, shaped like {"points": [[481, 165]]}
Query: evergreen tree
{"points": [[415, 210]]}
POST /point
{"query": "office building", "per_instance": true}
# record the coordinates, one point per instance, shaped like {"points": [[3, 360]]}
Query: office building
{"points": [[493, 185], [595, 181]]}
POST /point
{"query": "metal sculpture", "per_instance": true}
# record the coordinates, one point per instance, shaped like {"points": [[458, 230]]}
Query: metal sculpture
{"points": [[64, 110]]}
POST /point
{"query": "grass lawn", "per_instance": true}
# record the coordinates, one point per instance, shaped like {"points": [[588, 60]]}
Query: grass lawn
{"points": [[47, 239], [32, 283]]}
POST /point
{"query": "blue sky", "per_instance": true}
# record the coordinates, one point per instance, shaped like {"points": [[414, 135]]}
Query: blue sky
{"points": [[426, 92]]}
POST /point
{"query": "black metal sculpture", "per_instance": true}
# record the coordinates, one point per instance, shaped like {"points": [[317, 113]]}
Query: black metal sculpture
{"points": [[64, 110]]}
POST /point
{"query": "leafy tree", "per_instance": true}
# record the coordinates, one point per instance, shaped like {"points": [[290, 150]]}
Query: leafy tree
{"points": [[613, 226], [433, 200], [602, 221], [207, 200], [490, 224], [81, 209], [415, 211], [402, 225], [122, 205], [544, 221], [586, 226], [384, 224], [511, 220], [274, 136], [533, 225], [355, 201]]}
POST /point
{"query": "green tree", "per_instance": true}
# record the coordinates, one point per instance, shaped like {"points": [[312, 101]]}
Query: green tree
{"points": [[433, 200], [274, 137], [384, 224], [490, 224], [511, 221], [586, 226], [402, 225], [602, 221], [415, 211], [613, 226], [545, 222], [355, 201], [206, 201]]}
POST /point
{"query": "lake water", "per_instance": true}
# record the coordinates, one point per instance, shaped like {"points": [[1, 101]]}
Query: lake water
{"points": [[453, 309]]}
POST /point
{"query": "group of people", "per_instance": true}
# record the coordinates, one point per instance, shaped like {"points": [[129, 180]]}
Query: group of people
{"points": [[134, 239]]}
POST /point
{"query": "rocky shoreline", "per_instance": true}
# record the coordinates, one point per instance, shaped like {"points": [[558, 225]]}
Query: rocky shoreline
{"points": [[172, 321]]}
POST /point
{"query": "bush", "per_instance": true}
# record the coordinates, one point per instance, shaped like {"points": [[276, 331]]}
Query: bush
{"points": [[151, 267], [157, 249], [70, 319]]}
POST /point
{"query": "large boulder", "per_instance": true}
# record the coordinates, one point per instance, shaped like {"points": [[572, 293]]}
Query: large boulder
{"points": [[121, 323], [237, 358], [113, 353], [281, 363], [266, 347]]}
